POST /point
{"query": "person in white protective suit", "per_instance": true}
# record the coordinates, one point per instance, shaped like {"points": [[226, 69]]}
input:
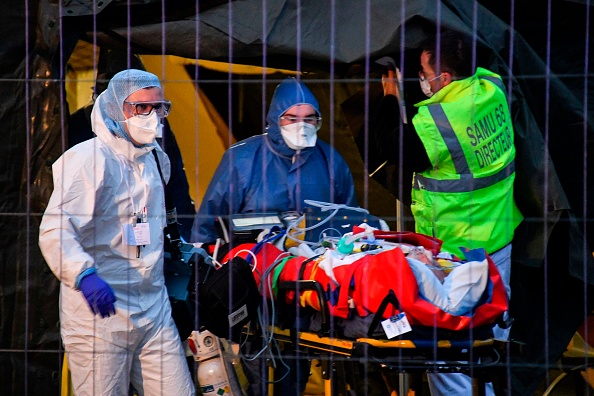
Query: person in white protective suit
{"points": [[102, 236]]}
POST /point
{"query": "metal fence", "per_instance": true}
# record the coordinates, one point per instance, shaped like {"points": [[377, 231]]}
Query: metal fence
{"points": [[219, 63]]}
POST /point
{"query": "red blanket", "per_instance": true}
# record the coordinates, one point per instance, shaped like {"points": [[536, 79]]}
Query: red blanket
{"points": [[366, 282]]}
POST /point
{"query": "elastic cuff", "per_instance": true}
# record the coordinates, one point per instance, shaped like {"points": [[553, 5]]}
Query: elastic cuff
{"points": [[88, 271]]}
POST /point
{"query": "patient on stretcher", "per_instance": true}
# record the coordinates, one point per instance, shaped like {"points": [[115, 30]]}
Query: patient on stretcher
{"points": [[425, 256], [455, 288]]}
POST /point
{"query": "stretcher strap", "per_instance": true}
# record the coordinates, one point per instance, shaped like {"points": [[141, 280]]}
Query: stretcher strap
{"points": [[342, 306], [304, 285], [276, 274], [389, 299]]}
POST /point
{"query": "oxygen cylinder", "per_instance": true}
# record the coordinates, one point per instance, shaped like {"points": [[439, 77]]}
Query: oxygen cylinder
{"points": [[214, 377]]}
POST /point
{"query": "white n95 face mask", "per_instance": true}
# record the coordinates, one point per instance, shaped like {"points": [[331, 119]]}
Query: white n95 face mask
{"points": [[426, 87], [299, 135], [143, 129]]}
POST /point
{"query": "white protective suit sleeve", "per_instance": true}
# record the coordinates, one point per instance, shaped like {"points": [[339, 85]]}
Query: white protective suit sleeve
{"points": [[70, 213]]}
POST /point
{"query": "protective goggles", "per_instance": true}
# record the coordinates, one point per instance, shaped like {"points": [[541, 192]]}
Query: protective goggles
{"points": [[161, 107], [314, 120]]}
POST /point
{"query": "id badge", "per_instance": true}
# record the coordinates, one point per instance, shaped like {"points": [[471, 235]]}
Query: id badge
{"points": [[137, 234]]}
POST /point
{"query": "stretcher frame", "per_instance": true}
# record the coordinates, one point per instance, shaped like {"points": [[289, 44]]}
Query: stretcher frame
{"points": [[408, 358]]}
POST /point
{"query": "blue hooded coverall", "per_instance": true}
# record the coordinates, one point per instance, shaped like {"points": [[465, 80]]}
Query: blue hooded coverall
{"points": [[262, 174]]}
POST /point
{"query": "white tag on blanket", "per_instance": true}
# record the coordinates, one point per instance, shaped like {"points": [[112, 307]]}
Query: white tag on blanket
{"points": [[396, 325]]}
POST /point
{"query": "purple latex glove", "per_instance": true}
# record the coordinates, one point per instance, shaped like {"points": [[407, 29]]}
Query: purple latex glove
{"points": [[99, 295]]}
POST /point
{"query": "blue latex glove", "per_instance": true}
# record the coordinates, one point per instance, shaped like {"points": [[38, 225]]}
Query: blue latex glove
{"points": [[99, 295]]}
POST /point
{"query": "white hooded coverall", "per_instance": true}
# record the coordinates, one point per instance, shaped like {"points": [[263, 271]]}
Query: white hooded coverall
{"points": [[99, 185]]}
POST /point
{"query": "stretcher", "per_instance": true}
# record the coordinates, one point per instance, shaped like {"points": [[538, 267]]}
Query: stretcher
{"points": [[313, 319], [317, 319], [408, 359]]}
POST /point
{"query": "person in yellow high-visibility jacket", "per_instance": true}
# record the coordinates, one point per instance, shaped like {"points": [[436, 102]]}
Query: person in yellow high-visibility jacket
{"points": [[461, 151]]}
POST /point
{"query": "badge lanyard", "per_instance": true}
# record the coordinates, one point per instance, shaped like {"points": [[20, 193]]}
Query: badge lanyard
{"points": [[137, 234]]}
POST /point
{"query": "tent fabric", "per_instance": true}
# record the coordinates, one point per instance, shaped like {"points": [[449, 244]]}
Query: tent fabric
{"points": [[546, 78]]}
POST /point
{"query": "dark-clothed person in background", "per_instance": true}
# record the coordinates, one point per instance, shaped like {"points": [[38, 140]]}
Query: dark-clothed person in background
{"points": [[276, 171]]}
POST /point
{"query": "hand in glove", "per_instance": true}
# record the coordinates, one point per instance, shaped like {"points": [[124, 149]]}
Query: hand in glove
{"points": [[99, 295]]}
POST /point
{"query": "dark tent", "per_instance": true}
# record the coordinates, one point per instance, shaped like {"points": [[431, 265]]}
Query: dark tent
{"points": [[542, 51]]}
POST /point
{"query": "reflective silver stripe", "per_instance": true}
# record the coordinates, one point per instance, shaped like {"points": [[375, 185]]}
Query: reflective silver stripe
{"points": [[465, 184], [449, 137], [496, 81], [467, 181]]}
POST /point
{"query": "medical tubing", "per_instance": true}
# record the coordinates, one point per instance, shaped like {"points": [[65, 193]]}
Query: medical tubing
{"points": [[270, 341], [330, 206], [280, 358], [272, 359], [264, 330], [273, 341], [313, 227], [264, 326], [323, 232], [224, 230], [368, 231], [266, 239], [215, 253], [268, 336], [266, 343], [291, 237], [352, 238], [276, 261], [266, 275], [250, 255], [325, 206]]}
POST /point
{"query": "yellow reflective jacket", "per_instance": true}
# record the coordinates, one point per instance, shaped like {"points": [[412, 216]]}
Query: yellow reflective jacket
{"points": [[466, 197]]}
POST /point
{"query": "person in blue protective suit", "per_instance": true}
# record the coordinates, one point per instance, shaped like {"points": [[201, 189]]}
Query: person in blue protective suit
{"points": [[102, 236], [278, 170]]}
